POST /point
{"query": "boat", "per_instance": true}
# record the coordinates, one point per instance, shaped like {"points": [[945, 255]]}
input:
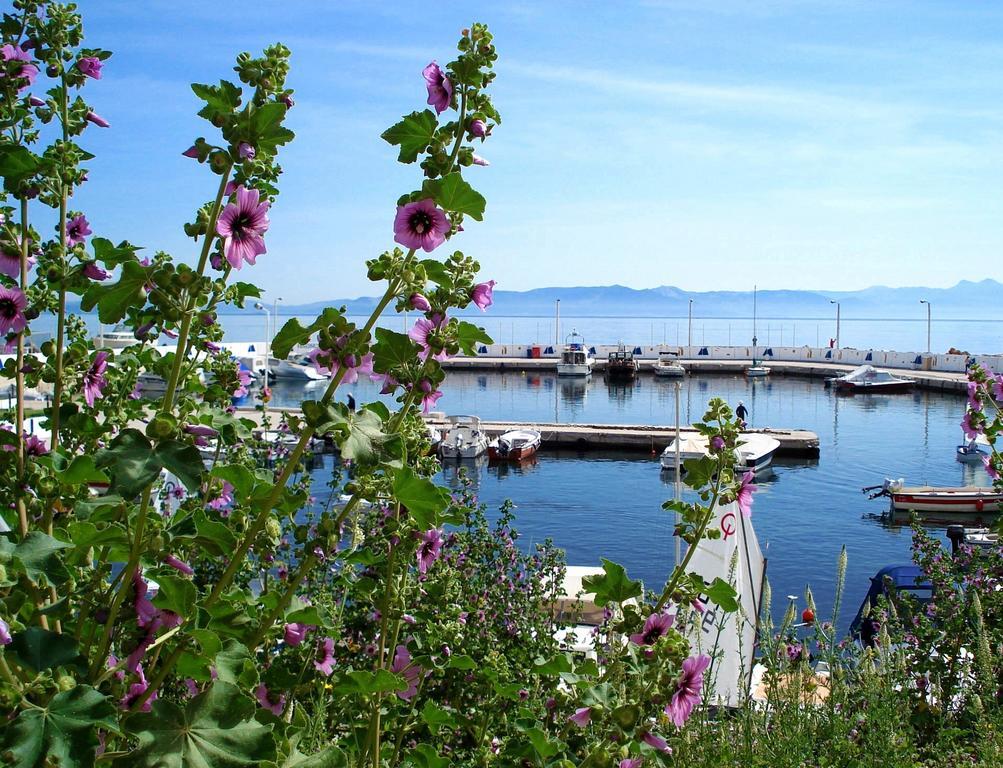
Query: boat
{"points": [[576, 359], [668, 365], [985, 539], [757, 370], [516, 445], [151, 385], [434, 437], [973, 452], [118, 337], [621, 364], [889, 583], [867, 378], [754, 452], [576, 614], [296, 369], [463, 439], [927, 499]]}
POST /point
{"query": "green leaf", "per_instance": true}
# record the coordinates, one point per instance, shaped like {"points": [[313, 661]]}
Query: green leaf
{"points": [[424, 499], [82, 470], [220, 99], [469, 336], [234, 665], [425, 756], [557, 665], [362, 682], [543, 746], [214, 537], [293, 332], [238, 476], [266, 130], [184, 460], [115, 299], [436, 271], [392, 350], [365, 434], [38, 556], [113, 255], [216, 729], [176, 594], [62, 733], [332, 757], [413, 134], [453, 193], [86, 535], [613, 586], [436, 717], [17, 164], [723, 594], [461, 662], [132, 462], [40, 649]]}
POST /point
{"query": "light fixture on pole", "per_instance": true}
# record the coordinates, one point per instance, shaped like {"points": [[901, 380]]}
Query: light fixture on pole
{"points": [[924, 301], [268, 325], [833, 301]]}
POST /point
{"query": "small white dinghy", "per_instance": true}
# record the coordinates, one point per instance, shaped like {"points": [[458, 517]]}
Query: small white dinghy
{"points": [[754, 452], [463, 439], [516, 445], [973, 452], [668, 365]]}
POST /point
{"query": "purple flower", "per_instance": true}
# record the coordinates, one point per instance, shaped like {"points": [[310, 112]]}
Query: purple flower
{"points": [[243, 382], [998, 387], [403, 666], [200, 430], [744, 495], [421, 225], [987, 462], [10, 263], [440, 90], [968, 425], [295, 633], [242, 225], [223, 498], [34, 446], [632, 762], [417, 301], [136, 690], [94, 272], [429, 547], [483, 295], [265, 700], [687, 693], [478, 160], [246, 151], [656, 625], [423, 328], [973, 396], [325, 363], [581, 717], [179, 565], [23, 69], [94, 379], [5, 638], [656, 742], [287, 100], [192, 152], [94, 117], [12, 306], [90, 66], [717, 443], [478, 128], [35, 101], [325, 661], [429, 397], [77, 230]]}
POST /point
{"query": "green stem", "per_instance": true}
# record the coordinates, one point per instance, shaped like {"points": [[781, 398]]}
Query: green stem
{"points": [[459, 132], [22, 511], [388, 595]]}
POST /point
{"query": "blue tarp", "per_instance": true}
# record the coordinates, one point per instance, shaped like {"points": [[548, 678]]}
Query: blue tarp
{"points": [[703, 351], [483, 350], [250, 347], [637, 350], [918, 360], [828, 354], [869, 357], [768, 352]]}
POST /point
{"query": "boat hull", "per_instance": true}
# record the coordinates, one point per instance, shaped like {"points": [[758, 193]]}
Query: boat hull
{"points": [[854, 388], [947, 501], [757, 372], [574, 369], [521, 453], [669, 371], [456, 452]]}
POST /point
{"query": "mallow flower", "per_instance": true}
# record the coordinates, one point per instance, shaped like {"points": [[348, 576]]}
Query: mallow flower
{"points": [[324, 663], [581, 717], [440, 90], [94, 378], [10, 263], [655, 626], [12, 306], [744, 495], [429, 548], [77, 230], [242, 225], [421, 225], [90, 66], [23, 68], [687, 694], [403, 665], [483, 295]]}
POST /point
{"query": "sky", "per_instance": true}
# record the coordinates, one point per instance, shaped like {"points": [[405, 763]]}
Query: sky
{"points": [[791, 144]]}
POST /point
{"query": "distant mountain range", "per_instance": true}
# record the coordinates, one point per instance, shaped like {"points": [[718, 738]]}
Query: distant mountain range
{"points": [[966, 300]]}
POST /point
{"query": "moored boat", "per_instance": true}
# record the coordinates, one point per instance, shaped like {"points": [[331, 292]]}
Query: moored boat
{"points": [[757, 369], [867, 378], [973, 451], [576, 359], [463, 439], [516, 445], [118, 337], [754, 451], [668, 365], [296, 369], [939, 500], [621, 364]]}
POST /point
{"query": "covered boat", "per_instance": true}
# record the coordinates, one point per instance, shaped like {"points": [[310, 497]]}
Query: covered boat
{"points": [[463, 439], [621, 364], [754, 452], [516, 445], [295, 369], [576, 359], [891, 583], [867, 378], [668, 365]]}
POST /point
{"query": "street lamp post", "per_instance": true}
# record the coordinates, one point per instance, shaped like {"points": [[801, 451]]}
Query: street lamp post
{"points": [[275, 322], [689, 332], [833, 301], [268, 325], [557, 325], [924, 301]]}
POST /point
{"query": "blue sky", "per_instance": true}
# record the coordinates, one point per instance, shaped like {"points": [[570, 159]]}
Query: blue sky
{"points": [[698, 143]]}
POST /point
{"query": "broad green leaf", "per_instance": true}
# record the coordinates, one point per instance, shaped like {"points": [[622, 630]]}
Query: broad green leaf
{"points": [[392, 350], [115, 299], [176, 594], [461, 662], [113, 255], [469, 336], [436, 271], [38, 556], [557, 665], [184, 460], [362, 682], [236, 475], [63, 733], [723, 594], [425, 756], [613, 586], [436, 717], [131, 461], [82, 470], [453, 193], [40, 649], [413, 134], [214, 537], [266, 130], [332, 757], [85, 535], [235, 665], [216, 729], [220, 99], [17, 164], [293, 332], [365, 434], [544, 747], [424, 499]]}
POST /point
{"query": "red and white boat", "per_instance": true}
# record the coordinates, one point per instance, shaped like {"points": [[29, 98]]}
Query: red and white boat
{"points": [[926, 499], [517, 445]]}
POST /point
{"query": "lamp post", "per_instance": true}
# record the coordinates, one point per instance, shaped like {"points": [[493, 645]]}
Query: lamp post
{"points": [[275, 322], [689, 331], [924, 301], [557, 325], [268, 325], [833, 301]]}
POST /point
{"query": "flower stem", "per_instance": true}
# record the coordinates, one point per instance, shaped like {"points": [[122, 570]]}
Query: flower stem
{"points": [[459, 132], [22, 511]]}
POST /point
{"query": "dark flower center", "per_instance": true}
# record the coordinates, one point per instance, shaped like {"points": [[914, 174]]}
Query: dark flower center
{"points": [[241, 225], [8, 308], [652, 635], [421, 222]]}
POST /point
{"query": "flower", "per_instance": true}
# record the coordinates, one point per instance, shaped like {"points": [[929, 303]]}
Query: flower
{"points": [[325, 362], [35, 101], [424, 327], [482, 295], [632, 762], [223, 499], [243, 382], [687, 694], [973, 396], [94, 379], [136, 690], [987, 462], [440, 90], [326, 653], [430, 397], [90, 66], [295, 633], [94, 272], [478, 128], [656, 625], [24, 68], [265, 700], [5, 638], [403, 666], [417, 301], [242, 225], [34, 446], [421, 225], [179, 565], [12, 306], [744, 495], [287, 100], [968, 425], [429, 547], [478, 160], [94, 117], [10, 263], [656, 742], [246, 151], [77, 230], [581, 717], [717, 443], [998, 387]]}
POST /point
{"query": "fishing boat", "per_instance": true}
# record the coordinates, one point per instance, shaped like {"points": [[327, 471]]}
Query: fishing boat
{"points": [[118, 337], [668, 365], [754, 451], [516, 445], [757, 370], [927, 499], [463, 439], [867, 378], [576, 359], [621, 364], [295, 369], [973, 451]]}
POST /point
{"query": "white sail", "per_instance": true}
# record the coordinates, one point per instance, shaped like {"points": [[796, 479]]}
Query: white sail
{"points": [[729, 638]]}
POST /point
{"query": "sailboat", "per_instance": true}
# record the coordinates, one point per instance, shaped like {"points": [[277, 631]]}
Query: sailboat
{"points": [[757, 369]]}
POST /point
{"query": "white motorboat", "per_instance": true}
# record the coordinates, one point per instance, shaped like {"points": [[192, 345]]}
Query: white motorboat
{"points": [[151, 385], [516, 445], [757, 370], [463, 439], [434, 436], [754, 451], [118, 337], [576, 613], [867, 378], [668, 365], [576, 360], [974, 451], [296, 369], [931, 502]]}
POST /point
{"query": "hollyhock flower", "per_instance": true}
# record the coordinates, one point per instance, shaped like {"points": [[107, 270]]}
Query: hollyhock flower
{"points": [[192, 152], [478, 128], [483, 295], [243, 383], [967, 424], [421, 225], [224, 497], [430, 397], [215, 349], [10, 263], [581, 717], [295, 633], [744, 495], [5, 638], [179, 565], [246, 151], [94, 272], [632, 762], [77, 230], [136, 690], [24, 69], [241, 225], [687, 694], [429, 548], [325, 661], [265, 700], [141, 332], [656, 742], [403, 666], [417, 301], [717, 443], [973, 396], [478, 160], [94, 379], [440, 90], [987, 462], [998, 387], [324, 363], [34, 446], [287, 100], [12, 306], [35, 101], [656, 625], [94, 117], [192, 686], [90, 66]]}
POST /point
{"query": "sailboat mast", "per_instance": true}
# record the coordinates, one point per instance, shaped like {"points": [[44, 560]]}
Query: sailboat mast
{"points": [[753, 319]]}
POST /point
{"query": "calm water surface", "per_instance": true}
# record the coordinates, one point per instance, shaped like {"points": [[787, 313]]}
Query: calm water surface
{"points": [[609, 505]]}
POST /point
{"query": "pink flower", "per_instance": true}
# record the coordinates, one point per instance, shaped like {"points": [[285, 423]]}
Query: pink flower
{"points": [[632, 762], [90, 66], [482, 295], [687, 693], [136, 690], [94, 272], [403, 666], [478, 128], [429, 548], [325, 664], [998, 387], [94, 379], [77, 230], [968, 425], [440, 90], [34, 446], [5, 637], [417, 301], [430, 397], [12, 306], [295, 633], [421, 225], [423, 329], [94, 117], [10, 263], [179, 565], [744, 495], [478, 160], [241, 225], [987, 462], [581, 717], [192, 152], [655, 626], [324, 362], [246, 151], [224, 497], [23, 68], [717, 443], [265, 700], [656, 742]]}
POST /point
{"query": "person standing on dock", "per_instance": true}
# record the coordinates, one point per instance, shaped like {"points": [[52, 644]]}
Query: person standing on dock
{"points": [[741, 413]]}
